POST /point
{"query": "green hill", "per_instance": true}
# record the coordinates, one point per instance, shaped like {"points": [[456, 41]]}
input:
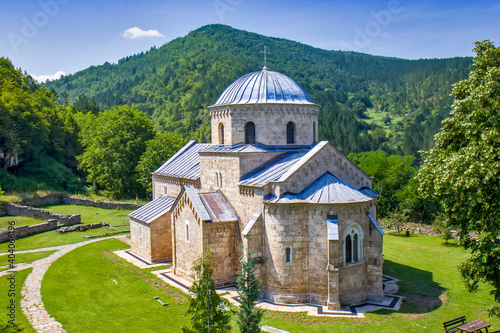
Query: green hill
{"points": [[368, 102]]}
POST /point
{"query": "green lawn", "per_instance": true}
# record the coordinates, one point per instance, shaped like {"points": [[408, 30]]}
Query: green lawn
{"points": [[104, 293], [24, 257], [19, 221], [5, 299], [116, 218], [427, 269]]}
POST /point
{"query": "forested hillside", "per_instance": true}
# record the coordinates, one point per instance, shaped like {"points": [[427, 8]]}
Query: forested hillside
{"points": [[368, 102]]}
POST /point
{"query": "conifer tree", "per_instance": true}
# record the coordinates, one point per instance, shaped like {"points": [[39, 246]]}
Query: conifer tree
{"points": [[249, 316], [207, 310]]}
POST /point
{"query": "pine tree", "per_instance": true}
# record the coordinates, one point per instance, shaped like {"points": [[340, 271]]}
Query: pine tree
{"points": [[207, 310], [249, 316]]}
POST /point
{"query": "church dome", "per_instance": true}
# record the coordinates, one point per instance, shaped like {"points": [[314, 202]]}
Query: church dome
{"points": [[264, 87]]}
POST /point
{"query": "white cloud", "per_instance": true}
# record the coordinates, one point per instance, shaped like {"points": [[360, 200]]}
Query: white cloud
{"points": [[43, 78], [135, 32]]}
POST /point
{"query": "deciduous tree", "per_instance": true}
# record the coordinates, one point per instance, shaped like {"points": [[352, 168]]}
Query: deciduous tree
{"points": [[463, 169], [113, 143]]}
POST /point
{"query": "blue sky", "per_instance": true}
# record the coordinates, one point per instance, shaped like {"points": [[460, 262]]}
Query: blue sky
{"points": [[44, 37]]}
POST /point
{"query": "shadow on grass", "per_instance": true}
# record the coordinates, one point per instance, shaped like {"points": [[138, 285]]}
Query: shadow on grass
{"points": [[421, 293]]}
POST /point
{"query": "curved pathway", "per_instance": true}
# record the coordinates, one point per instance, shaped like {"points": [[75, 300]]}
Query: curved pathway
{"points": [[31, 302]]}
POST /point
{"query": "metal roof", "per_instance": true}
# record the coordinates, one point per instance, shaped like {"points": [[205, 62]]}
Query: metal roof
{"points": [[369, 192], [185, 163], [153, 210], [252, 221], [271, 171], [332, 227], [375, 223], [218, 207], [327, 189], [197, 203], [264, 87]]}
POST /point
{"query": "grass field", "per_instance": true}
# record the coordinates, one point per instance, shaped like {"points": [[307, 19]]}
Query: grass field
{"points": [[5, 299], [24, 258], [427, 269], [19, 221], [116, 218], [104, 293]]}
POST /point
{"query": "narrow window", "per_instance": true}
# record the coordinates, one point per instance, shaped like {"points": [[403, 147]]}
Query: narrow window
{"points": [[187, 231], [165, 189], [290, 132], [348, 249], [355, 247], [221, 134], [314, 133], [220, 179], [250, 133], [288, 255]]}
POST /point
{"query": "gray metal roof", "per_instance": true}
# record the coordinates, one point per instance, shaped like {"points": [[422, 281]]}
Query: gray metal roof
{"points": [[327, 189], [375, 223], [252, 221], [153, 209], [332, 227], [218, 207], [369, 192], [185, 163], [271, 171], [264, 87], [197, 203]]}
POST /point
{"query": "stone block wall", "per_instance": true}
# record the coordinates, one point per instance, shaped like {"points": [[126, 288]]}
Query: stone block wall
{"points": [[17, 210], [220, 238], [140, 240], [161, 239], [29, 230], [270, 123], [80, 201], [186, 248]]}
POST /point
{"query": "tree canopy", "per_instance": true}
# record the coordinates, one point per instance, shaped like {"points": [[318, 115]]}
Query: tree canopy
{"points": [[462, 171], [113, 143]]}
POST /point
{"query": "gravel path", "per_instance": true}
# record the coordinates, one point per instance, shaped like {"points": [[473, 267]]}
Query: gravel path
{"points": [[31, 302]]}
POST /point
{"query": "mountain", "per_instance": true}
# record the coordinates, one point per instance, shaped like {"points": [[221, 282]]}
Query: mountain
{"points": [[368, 102]]}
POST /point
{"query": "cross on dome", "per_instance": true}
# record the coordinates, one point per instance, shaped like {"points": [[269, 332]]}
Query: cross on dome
{"points": [[265, 57]]}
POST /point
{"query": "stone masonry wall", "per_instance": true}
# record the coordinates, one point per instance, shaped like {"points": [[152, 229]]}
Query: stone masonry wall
{"points": [[28, 230], [41, 214], [140, 240], [270, 123], [161, 239], [220, 238], [186, 251]]}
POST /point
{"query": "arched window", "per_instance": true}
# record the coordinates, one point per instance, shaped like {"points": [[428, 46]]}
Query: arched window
{"points": [[353, 244], [348, 249], [221, 134], [187, 231], [288, 255], [290, 132], [250, 133]]}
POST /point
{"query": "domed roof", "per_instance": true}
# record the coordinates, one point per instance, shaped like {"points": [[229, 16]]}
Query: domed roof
{"points": [[264, 87]]}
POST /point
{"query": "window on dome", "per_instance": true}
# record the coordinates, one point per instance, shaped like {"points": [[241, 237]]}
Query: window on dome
{"points": [[221, 134], [290, 133], [250, 133]]}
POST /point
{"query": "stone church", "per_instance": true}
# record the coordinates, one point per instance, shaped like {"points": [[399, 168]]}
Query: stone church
{"points": [[266, 184]]}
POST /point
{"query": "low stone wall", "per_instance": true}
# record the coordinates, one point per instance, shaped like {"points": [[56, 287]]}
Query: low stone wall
{"points": [[55, 199], [80, 201], [17, 210], [28, 230], [83, 227], [52, 199]]}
